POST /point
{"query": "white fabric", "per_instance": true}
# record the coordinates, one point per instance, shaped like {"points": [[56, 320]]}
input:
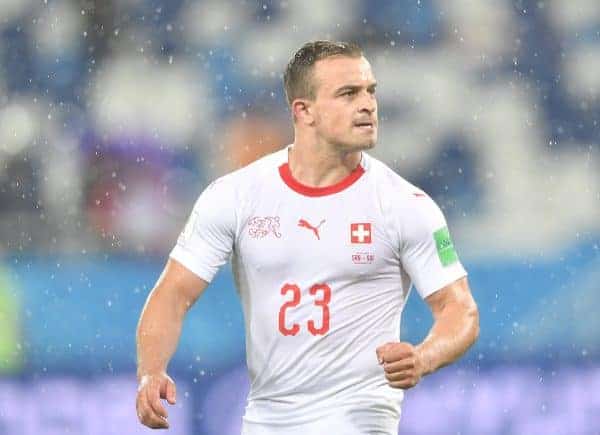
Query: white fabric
{"points": [[253, 217]]}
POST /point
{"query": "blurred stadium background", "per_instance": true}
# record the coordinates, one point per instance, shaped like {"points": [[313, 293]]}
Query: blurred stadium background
{"points": [[115, 114]]}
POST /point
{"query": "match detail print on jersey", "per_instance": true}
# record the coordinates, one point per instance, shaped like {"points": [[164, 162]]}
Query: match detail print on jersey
{"points": [[445, 247], [363, 258], [360, 232]]}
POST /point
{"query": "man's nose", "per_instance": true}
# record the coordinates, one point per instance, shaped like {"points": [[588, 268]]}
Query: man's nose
{"points": [[368, 103]]}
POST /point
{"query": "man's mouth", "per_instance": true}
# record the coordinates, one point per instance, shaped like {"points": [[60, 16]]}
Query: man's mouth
{"points": [[367, 125]]}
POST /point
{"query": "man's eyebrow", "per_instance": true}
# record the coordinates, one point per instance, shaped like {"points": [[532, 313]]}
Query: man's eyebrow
{"points": [[354, 87]]}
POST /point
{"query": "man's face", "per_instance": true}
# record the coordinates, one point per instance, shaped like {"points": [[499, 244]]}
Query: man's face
{"points": [[345, 107]]}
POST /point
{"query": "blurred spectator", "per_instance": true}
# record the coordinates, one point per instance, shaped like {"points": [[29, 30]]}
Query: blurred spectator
{"points": [[137, 195]]}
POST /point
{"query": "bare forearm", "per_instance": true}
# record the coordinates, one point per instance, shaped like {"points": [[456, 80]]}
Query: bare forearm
{"points": [[452, 333], [158, 332]]}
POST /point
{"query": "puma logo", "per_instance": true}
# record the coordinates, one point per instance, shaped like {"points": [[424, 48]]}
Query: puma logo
{"points": [[303, 223]]}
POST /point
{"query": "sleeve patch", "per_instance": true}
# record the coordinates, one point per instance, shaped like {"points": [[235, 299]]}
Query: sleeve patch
{"points": [[445, 247]]}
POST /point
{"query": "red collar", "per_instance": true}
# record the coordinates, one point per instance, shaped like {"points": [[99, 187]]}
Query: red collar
{"points": [[295, 185]]}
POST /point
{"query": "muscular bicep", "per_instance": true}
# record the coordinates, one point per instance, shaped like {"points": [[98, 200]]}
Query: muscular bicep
{"points": [[426, 249], [185, 286], [455, 296]]}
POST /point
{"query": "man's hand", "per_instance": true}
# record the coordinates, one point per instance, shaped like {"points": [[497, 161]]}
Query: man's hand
{"points": [[402, 364], [150, 409]]}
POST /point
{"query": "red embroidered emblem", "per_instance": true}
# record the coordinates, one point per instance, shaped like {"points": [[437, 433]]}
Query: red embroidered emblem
{"points": [[260, 227]]}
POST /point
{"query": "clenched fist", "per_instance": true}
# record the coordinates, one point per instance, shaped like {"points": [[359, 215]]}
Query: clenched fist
{"points": [[150, 409], [402, 364]]}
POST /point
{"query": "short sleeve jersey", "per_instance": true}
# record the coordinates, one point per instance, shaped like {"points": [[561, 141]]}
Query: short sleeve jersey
{"points": [[323, 276]]}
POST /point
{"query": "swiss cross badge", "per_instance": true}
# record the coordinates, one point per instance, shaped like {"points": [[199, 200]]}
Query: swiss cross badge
{"points": [[360, 233]]}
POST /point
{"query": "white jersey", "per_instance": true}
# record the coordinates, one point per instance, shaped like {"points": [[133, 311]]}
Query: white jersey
{"points": [[323, 275]]}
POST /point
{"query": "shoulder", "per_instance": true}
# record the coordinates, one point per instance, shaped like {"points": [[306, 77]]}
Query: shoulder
{"points": [[407, 205], [390, 184]]}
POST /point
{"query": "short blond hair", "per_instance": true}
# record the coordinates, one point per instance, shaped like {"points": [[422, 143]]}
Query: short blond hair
{"points": [[297, 79]]}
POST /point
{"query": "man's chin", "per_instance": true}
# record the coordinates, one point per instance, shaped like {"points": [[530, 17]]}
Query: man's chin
{"points": [[357, 145], [369, 142], [366, 145], [370, 145]]}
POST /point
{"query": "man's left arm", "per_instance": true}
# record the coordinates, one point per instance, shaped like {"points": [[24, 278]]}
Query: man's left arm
{"points": [[455, 329]]}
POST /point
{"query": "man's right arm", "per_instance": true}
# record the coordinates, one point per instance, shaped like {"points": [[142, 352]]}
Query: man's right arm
{"points": [[205, 245], [157, 336]]}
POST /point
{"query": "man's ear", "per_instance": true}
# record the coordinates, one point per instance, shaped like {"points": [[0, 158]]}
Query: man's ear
{"points": [[302, 111]]}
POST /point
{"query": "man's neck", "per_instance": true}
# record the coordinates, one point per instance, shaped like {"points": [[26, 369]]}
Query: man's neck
{"points": [[320, 165]]}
